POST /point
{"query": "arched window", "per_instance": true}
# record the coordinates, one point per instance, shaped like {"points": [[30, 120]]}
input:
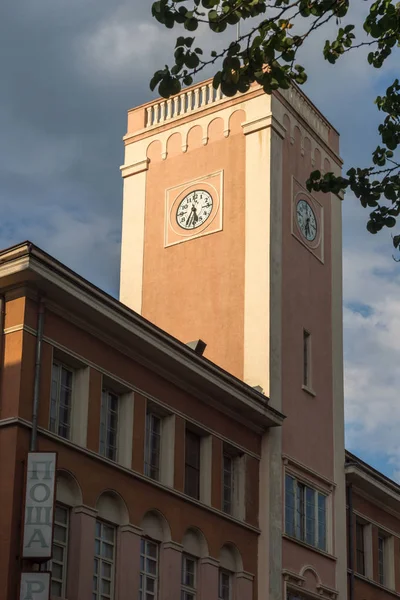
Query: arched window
{"points": [[111, 512], [68, 495], [155, 531], [230, 563], [194, 547]]}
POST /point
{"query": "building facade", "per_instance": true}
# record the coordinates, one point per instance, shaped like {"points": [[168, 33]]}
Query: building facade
{"points": [[158, 449], [373, 513], [193, 431], [217, 222]]}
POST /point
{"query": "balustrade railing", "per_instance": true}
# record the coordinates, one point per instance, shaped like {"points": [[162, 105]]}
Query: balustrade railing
{"points": [[181, 104]]}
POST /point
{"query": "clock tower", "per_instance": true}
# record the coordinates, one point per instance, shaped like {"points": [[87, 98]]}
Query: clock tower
{"points": [[222, 242]]}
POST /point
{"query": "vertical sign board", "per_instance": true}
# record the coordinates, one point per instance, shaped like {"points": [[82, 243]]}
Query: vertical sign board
{"points": [[35, 586], [39, 505]]}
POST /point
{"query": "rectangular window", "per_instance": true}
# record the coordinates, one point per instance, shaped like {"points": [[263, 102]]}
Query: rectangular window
{"points": [[360, 548], [188, 577], [228, 483], [306, 359], [225, 584], [153, 446], [192, 464], [61, 400], [60, 550], [381, 559], [104, 562], [109, 425], [305, 513], [148, 570]]}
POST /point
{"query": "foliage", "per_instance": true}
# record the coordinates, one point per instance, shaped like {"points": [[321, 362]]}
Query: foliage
{"points": [[266, 54]]}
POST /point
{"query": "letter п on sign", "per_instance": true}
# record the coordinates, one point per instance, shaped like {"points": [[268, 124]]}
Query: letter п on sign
{"points": [[39, 505]]}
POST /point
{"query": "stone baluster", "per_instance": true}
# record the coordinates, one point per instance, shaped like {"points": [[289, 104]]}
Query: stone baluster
{"points": [[203, 95], [169, 107], [149, 116], [196, 98], [190, 100], [176, 106], [210, 93]]}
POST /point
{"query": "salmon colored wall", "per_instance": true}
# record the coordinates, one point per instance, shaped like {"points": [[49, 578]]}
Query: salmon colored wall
{"points": [[15, 312], [365, 591], [11, 375], [27, 375], [14, 444], [94, 477], [306, 304], [90, 348], [375, 513], [200, 281], [296, 556]]}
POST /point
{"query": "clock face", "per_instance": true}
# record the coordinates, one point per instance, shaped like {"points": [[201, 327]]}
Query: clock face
{"points": [[306, 220], [194, 210]]}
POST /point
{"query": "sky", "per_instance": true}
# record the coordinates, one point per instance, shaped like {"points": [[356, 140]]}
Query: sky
{"points": [[70, 70]]}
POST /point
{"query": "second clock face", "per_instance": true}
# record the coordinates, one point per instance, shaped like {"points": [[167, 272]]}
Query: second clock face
{"points": [[306, 220], [194, 210]]}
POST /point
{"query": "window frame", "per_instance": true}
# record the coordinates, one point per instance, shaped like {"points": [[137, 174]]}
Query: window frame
{"points": [[302, 523], [65, 548], [148, 450], [143, 574], [307, 370], [221, 573], [105, 414], [98, 593], [382, 572], [60, 365], [189, 434], [360, 548], [188, 592], [228, 505]]}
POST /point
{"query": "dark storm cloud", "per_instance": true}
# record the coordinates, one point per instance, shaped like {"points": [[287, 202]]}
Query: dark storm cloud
{"points": [[62, 117]]}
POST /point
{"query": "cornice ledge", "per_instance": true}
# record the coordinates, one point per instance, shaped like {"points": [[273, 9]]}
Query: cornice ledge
{"points": [[172, 546], [245, 575], [327, 592], [134, 168], [85, 510], [129, 528], [264, 123], [209, 560], [292, 577]]}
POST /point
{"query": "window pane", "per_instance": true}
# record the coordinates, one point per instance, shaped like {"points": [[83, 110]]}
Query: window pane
{"points": [[151, 549], [60, 533], [321, 521], [56, 588], [104, 559], [310, 516]]}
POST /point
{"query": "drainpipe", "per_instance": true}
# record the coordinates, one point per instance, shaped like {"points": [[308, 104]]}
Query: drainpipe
{"points": [[36, 387], [351, 544], [2, 318]]}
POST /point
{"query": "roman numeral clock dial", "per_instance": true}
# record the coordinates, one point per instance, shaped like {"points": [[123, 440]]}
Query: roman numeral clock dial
{"points": [[194, 210], [306, 220]]}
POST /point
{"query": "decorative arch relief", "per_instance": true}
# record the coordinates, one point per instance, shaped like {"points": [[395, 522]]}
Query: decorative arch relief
{"points": [[306, 585]]}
